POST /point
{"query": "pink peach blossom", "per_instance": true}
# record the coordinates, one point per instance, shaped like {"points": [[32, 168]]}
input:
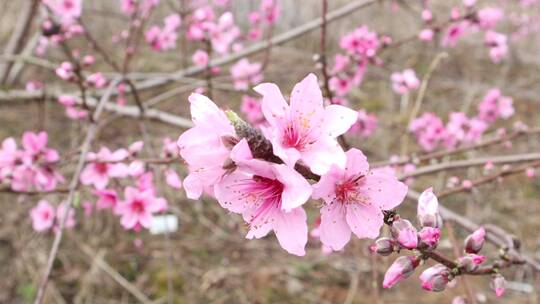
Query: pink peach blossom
{"points": [[305, 130], [138, 207], [42, 216], [103, 166], [202, 146], [269, 197], [354, 199]]}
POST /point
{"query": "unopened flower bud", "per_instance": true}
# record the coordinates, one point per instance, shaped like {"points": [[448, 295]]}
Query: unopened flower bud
{"points": [[404, 232], [498, 284], [475, 241], [428, 210], [383, 246], [470, 262], [401, 269], [429, 237], [435, 278]]}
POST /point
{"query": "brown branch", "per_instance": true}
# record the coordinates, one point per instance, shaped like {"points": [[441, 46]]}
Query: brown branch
{"points": [[506, 159], [448, 152], [20, 31], [490, 178]]}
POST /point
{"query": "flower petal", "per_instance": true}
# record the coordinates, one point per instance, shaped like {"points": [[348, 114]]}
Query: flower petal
{"points": [[274, 106], [365, 221], [291, 230], [338, 119], [335, 231], [297, 189]]}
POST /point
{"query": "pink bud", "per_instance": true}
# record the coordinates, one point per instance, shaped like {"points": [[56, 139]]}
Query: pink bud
{"points": [[88, 60], [135, 147], [467, 184], [498, 284], [426, 34], [427, 15], [404, 232], [475, 241], [401, 269], [470, 262], [383, 246], [428, 210], [429, 237], [435, 278]]}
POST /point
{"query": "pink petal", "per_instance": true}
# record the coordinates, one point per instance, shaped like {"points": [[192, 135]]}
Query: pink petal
{"points": [[289, 155], [173, 179], [356, 163], [323, 154], [274, 106], [326, 186], [365, 221], [335, 231], [291, 230], [231, 193], [297, 189], [338, 120], [384, 190], [193, 186]]}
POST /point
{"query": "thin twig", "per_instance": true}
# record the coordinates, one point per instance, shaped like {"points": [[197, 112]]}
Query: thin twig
{"points": [[90, 135]]}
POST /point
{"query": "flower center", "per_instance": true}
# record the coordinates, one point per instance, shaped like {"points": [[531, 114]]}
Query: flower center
{"points": [[348, 192], [101, 168], [137, 206]]}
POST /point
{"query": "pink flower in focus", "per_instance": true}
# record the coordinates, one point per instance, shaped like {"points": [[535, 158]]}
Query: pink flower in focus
{"points": [[354, 199], [42, 216], [138, 207], [103, 166], [245, 73], [305, 130], [269, 197], [405, 81], [202, 146]]}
